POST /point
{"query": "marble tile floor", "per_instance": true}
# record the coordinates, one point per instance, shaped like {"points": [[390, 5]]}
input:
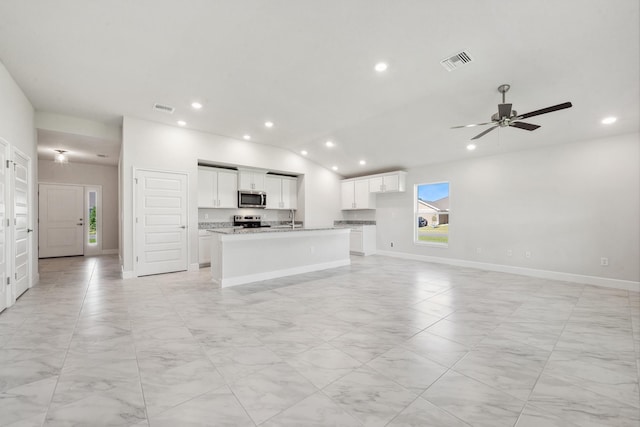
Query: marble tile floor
{"points": [[383, 342]]}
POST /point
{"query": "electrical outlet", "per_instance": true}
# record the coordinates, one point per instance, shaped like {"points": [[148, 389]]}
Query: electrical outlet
{"points": [[479, 250], [604, 261], [391, 244], [206, 216], [527, 254], [509, 252]]}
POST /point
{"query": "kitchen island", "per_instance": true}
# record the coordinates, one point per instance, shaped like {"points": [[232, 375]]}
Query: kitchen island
{"points": [[245, 255]]}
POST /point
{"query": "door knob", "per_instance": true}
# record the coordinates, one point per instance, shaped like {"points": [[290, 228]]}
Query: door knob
{"points": [[29, 230], [183, 226], [79, 224]]}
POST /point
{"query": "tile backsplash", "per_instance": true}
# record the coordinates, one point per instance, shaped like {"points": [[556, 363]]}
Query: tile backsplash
{"points": [[226, 215]]}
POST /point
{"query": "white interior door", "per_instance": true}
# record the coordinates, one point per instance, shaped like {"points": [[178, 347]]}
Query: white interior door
{"points": [[61, 213], [4, 226], [21, 228], [160, 222]]}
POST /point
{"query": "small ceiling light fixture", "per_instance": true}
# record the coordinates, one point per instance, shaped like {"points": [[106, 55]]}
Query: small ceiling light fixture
{"points": [[196, 105], [181, 123], [381, 67], [363, 162], [335, 168], [304, 152], [61, 158], [471, 147], [247, 137], [268, 124], [609, 120], [329, 144]]}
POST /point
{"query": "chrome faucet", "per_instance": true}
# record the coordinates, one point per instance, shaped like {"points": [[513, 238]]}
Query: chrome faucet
{"points": [[293, 218]]}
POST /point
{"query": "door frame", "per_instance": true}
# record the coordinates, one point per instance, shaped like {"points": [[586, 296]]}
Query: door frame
{"points": [[134, 246], [4, 223]]}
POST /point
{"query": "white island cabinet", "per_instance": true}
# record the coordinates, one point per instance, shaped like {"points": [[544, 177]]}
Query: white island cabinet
{"points": [[240, 256]]}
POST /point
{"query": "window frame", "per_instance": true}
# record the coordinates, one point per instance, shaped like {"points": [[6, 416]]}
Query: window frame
{"points": [[417, 214]]}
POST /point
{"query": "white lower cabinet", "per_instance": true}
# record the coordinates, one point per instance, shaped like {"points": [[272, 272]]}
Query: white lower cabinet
{"points": [[363, 240], [204, 248]]}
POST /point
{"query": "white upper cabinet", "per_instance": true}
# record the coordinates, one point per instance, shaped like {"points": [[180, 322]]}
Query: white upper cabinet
{"points": [[251, 180], [387, 183], [217, 188], [355, 195], [282, 192], [227, 189], [289, 193], [206, 194]]}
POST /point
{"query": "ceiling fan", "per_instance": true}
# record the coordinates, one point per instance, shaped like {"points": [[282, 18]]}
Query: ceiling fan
{"points": [[508, 117]]}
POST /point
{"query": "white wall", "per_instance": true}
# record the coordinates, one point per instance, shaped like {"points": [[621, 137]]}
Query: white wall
{"points": [[569, 205], [155, 146], [89, 174], [17, 128]]}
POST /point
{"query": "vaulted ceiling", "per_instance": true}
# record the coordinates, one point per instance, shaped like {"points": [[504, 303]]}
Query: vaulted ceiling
{"points": [[308, 66]]}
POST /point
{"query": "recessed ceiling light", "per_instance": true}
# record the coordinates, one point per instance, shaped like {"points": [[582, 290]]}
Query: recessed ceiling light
{"points": [[381, 66], [471, 147], [363, 162], [609, 120], [329, 144], [247, 137], [304, 152], [335, 168], [268, 124], [182, 123], [196, 105]]}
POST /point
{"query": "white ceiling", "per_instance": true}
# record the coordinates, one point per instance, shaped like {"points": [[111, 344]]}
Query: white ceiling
{"points": [[308, 66]]}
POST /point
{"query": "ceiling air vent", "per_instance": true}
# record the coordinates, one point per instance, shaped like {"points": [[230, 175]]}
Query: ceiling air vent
{"points": [[455, 61], [163, 108]]}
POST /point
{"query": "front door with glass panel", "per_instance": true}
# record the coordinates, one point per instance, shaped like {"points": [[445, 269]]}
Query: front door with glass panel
{"points": [[61, 217]]}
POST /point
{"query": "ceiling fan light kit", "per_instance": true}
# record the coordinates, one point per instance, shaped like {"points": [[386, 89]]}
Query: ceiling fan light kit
{"points": [[508, 117]]}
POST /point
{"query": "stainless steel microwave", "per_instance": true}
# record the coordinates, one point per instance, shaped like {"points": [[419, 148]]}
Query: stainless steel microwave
{"points": [[252, 199]]}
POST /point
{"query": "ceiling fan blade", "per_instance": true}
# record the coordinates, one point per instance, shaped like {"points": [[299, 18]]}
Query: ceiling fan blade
{"points": [[545, 110], [504, 110], [473, 125], [523, 125], [480, 135]]}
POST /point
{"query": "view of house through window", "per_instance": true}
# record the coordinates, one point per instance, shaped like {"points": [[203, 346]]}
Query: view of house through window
{"points": [[432, 213], [93, 204]]}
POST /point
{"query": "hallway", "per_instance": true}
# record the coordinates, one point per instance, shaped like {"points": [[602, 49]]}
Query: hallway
{"points": [[383, 342]]}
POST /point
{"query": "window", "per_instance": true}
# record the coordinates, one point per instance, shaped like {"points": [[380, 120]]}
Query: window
{"points": [[432, 214], [93, 211]]}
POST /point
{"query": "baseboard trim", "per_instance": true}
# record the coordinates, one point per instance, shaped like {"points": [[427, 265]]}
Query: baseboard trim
{"points": [[250, 278], [627, 285], [109, 251], [194, 267], [128, 274]]}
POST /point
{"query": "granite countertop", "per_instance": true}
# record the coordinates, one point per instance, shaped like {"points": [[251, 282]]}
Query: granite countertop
{"points": [[240, 230], [351, 222]]}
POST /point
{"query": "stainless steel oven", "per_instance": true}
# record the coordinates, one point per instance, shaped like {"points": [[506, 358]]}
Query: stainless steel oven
{"points": [[252, 199]]}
